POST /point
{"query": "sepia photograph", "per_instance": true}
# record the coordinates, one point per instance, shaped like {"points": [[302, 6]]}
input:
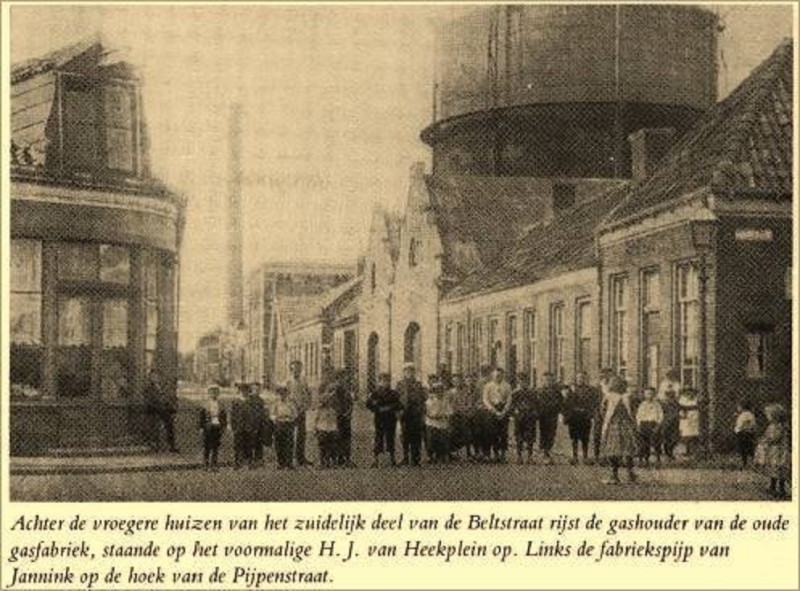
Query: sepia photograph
{"points": [[405, 252]]}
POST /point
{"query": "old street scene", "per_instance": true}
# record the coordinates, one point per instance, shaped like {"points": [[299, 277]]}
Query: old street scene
{"points": [[535, 252]]}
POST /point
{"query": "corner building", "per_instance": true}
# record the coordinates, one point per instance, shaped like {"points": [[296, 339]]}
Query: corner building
{"points": [[95, 245]]}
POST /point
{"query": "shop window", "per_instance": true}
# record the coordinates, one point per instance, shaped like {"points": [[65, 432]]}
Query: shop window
{"points": [[619, 324], [74, 354], [26, 318], [757, 352], [115, 360], [688, 336]]}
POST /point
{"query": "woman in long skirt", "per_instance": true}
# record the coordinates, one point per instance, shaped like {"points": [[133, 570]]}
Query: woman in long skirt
{"points": [[619, 439]]}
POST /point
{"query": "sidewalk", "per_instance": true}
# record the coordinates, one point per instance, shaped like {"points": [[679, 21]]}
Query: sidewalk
{"points": [[149, 462]]}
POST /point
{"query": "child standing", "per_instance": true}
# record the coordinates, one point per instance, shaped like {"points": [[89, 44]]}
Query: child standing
{"points": [[437, 423], [326, 428], [649, 417], [775, 443], [619, 430], [745, 431], [283, 414], [213, 421]]}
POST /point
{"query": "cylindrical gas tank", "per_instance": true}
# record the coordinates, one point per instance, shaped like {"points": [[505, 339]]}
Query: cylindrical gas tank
{"points": [[598, 72]]}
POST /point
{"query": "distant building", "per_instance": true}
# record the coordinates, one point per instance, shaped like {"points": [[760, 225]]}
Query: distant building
{"points": [[324, 338], [95, 245], [276, 295]]}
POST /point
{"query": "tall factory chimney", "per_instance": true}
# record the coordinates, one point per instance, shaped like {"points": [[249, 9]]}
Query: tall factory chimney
{"points": [[235, 230]]}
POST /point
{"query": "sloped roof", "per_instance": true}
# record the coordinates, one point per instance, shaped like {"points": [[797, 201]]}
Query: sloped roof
{"points": [[742, 146], [546, 250], [301, 309], [480, 217], [347, 305], [89, 53]]}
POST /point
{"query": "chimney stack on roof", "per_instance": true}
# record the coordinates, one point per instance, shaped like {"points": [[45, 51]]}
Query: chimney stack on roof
{"points": [[648, 148]]}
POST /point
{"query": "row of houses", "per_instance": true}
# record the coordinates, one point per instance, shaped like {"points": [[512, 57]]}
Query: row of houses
{"points": [[686, 265]]}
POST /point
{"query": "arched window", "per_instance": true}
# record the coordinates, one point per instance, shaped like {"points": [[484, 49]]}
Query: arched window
{"points": [[373, 279]]}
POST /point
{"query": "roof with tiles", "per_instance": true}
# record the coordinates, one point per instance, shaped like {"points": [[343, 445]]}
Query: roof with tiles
{"points": [[547, 250], [480, 217], [741, 147]]}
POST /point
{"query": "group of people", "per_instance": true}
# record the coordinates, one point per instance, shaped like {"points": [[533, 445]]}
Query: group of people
{"points": [[281, 423], [473, 415]]}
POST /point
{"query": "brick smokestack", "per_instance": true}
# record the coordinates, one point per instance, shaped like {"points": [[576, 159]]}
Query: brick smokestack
{"points": [[235, 230]]}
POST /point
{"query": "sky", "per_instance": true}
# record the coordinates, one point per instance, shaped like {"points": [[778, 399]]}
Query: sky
{"points": [[334, 98]]}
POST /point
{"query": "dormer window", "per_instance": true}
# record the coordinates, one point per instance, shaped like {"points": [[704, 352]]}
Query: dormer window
{"points": [[99, 125]]}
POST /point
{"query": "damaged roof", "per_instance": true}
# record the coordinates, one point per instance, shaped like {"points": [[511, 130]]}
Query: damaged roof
{"points": [[547, 250], [742, 146]]}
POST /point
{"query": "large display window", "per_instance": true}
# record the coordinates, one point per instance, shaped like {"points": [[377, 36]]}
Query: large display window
{"points": [[85, 319]]}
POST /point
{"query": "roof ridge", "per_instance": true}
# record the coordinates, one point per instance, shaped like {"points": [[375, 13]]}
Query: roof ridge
{"points": [[763, 80]]}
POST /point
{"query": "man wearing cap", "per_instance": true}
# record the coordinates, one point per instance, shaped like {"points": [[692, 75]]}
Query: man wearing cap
{"points": [[412, 417], [300, 394], [384, 403]]}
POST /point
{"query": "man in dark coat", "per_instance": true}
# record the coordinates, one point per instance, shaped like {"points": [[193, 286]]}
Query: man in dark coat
{"points": [[580, 406], [163, 406], [343, 405], [384, 403], [412, 418], [524, 409], [460, 396], [240, 442], [550, 405], [252, 427]]}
